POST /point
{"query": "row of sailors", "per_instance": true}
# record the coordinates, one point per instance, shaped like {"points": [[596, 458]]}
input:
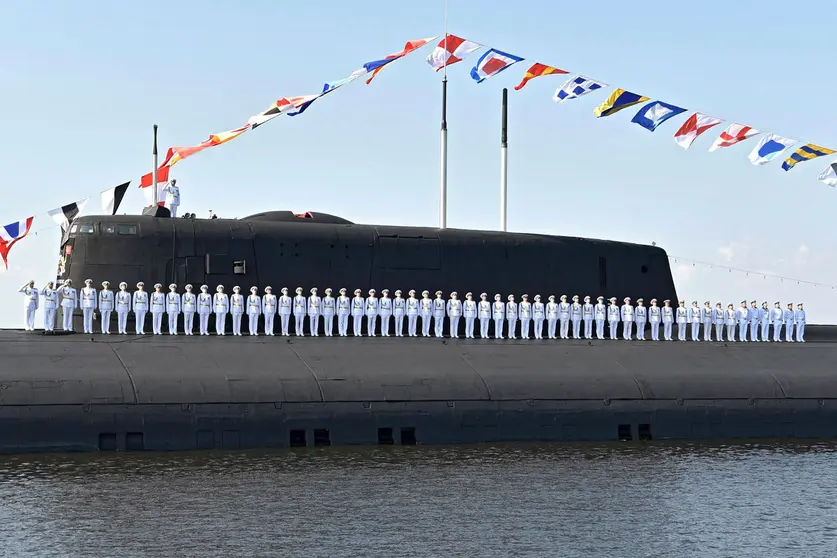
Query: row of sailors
{"points": [[753, 319]]}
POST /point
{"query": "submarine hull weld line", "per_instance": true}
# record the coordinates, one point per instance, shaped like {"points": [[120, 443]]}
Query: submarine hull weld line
{"points": [[127, 373], [313, 375]]}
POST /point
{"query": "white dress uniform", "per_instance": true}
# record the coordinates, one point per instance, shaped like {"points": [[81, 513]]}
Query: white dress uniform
{"points": [[174, 305], [706, 319], [454, 312], [123, 307], [776, 319], [285, 305], [600, 313], [158, 308], [413, 310], [188, 305], [106, 306], [299, 313], [787, 319], [30, 304], [799, 318], [613, 316], [69, 302], [681, 315], [694, 319], [538, 315], [627, 316], [329, 310], [139, 303], [372, 310], [641, 317], [237, 309], [385, 311], [753, 316], [552, 311], [525, 309], [511, 316], [439, 308], [564, 317], [270, 304], [221, 303], [89, 297], [426, 312], [719, 319], [484, 314], [172, 197], [743, 320], [344, 310], [587, 316], [469, 312], [358, 307], [50, 296], [399, 310], [499, 313], [731, 319], [764, 318], [668, 319], [654, 318], [204, 309], [575, 317], [315, 309]]}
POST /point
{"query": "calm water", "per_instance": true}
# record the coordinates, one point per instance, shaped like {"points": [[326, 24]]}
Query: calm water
{"points": [[509, 500]]}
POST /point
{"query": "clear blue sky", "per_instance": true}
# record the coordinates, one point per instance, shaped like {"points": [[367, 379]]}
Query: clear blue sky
{"points": [[82, 83]]}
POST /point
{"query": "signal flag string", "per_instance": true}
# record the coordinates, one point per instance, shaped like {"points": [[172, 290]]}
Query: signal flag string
{"points": [[749, 272]]}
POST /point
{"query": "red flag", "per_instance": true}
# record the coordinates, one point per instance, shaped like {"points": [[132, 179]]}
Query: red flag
{"points": [[162, 176], [535, 71]]}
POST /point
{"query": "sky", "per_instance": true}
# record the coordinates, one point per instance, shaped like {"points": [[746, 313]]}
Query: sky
{"points": [[82, 83]]}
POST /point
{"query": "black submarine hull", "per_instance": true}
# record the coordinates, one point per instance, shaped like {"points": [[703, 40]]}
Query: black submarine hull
{"points": [[159, 393]]}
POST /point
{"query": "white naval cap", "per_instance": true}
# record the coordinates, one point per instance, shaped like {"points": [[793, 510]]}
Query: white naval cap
{"points": [[172, 286], [268, 288], [123, 284], [612, 299], [682, 302], [204, 288], [627, 299], [68, 282], [342, 290], [563, 297], [384, 291], [371, 291], [666, 301], [524, 296], [88, 281], [412, 292], [640, 299], [106, 283], [551, 298], [497, 296], [586, 299], [653, 300], [236, 288], [600, 298], [765, 302], [188, 287], [453, 294], [537, 297], [575, 297], [438, 293], [357, 291], [299, 290], [397, 292], [469, 294], [284, 290], [140, 284], [484, 295], [158, 286], [328, 290], [694, 302], [753, 302], [425, 293], [313, 290], [254, 289], [219, 288]]}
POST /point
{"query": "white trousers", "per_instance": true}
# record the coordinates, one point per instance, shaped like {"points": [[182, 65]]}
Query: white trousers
{"points": [[681, 331], [285, 319], [707, 331], [484, 327], [236, 317], [268, 323], [742, 331], [754, 331], [588, 329], [157, 321], [49, 319], [551, 326], [731, 333], [399, 325], [88, 319], [253, 323], [600, 332], [314, 324], [29, 318], [667, 331], [765, 331], [328, 323], [357, 326], [695, 331], [139, 318], [627, 330], [565, 328], [800, 332], [371, 322], [425, 326], [719, 332], [498, 328], [188, 322], [122, 322], [524, 327], [172, 322], [640, 330], [106, 321], [614, 329], [439, 325], [412, 322], [204, 324], [469, 328], [343, 325], [655, 331], [538, 328], [777, 332], [220, 323], [385, 324], [789, 332], [576, 329], [454, 326], [512, 328], [299, 324]]}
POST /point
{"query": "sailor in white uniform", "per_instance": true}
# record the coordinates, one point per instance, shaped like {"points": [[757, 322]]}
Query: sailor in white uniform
{"points": [[613, 316], [764, 318], [575, 317], [222, 307], [399, 310], [706, 319], [173, 307], [552, 311], [454, 312], [357, 313], [89, 298], [254, 310], [413, 310], [799, 318], [344, 310], [106, 305], [627, 316], [385, 311], [511, 316], [204, 309], [372, 309], [525, 309], [654, 318], [315, 309], [270, 305], [237, 309], [439, 308], [469, 312], [329, 310], [787, 319], [158, 308], [140, 305], [69, 302], [172, 193], [30, 304], [753, 316], [425, 311], [50, 296], [694, 319], [741, 318], [538, 315], [681, 316], [731, 319], [668, 319], [719, 319], [123, 307], [498, 312], [484, 314], [587, 315], [188, 305], [776, 319], [600, 313], [564, 316], [641, 315], [299, 312], [285, 305]]}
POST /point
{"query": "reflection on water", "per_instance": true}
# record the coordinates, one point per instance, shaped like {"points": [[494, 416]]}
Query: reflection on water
{"points": [[765, 499]]}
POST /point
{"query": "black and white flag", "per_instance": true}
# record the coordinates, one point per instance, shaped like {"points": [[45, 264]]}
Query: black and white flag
{"points": [[113, 197], [65, 215]]}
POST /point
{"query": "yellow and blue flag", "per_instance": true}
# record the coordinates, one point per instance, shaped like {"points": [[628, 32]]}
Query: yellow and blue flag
{"points": [[805, 153], [617, 101]]}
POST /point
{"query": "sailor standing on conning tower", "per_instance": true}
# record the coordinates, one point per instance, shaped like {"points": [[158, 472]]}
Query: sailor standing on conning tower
{"points": [[587, 314], [511, 316], [399, 310], [469, 312], [50, 305], [641, 314], [425, 311], [285, 305], [158, 307], [412, 313], [742, 321], [706, 318], [764, 318], [564, 317], [694, 319], [600, 313], [372, 309], [357, 314], [329, 310], [140, 305], [731, 318], [627, 316], [188, 305], [753, 316], [254, 310], [123, 306], [237, 309], [299, 312], [552, 312], [799, 318], [525, 309], [204, 309], [315, 308], [222, 306], [682, 318], [575, 317], [270, 304], [484, 313], [776, 320], [613, 318], [344, 309], [88, 304], [106, 300], [719, 319], [385, 311], [30, 304], [173, 307], [668, 319], [439, 308], [654, 318], [454, 311], [172, 193], [538, 314], [498, 312]]}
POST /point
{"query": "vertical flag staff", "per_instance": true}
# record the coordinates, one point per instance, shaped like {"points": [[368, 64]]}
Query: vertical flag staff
{"points": [[443, 194], [154, 171], [504, 163]]}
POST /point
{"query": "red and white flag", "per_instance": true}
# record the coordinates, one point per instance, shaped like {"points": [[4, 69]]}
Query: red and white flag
{"points": [[732, 135], [451, 52], [693, 127]]}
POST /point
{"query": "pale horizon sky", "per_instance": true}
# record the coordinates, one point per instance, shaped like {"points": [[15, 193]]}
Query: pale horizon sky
{"points": [[83, 83]]}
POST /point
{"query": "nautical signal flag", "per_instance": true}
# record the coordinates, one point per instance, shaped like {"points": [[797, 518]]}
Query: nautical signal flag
{"points": [[492, 63], [327, 88], [111, 199], [377, 65], [653, 114], [828, 175], [451, 51], [769, 148], [537, 70], [805, 153], [694, 126], [576, 87], [735, 133], [618, 100], [65, 215], [10, 234]]}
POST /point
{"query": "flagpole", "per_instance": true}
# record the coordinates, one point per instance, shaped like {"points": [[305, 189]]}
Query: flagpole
{"points": [[154, 171], [443, 186], [504, 161]]}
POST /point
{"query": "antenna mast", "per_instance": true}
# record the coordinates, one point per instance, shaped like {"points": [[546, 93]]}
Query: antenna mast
{"points": [[154, 170], [504, 163], [443, 193]]}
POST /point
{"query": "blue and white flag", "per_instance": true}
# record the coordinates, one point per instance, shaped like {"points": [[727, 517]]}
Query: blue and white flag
{"points": [[576, 87], [492, 63], [770, 147], [653, 114], [327, 88]]}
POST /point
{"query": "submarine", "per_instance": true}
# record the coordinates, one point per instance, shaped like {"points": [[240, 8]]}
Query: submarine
{"points": [[77, 392]]}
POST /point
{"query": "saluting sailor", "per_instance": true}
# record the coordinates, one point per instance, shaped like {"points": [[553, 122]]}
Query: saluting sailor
{"points": [[511, 316], [641, 314], [270, 305], [564, 316], [499, 313], [484, 314], [50, 305], [399, 310], [668, 319], [439, 308], [315, 308], [600, 312], [799, 318], [706, 318], [254, 310], [694, 319], [299, 312], [776, 319], [357, 314], [613, 318], [329, 310], [742, 320], [654, 318], [719, 319], [69, 302], [788, 319], [764, 318], [372, 309], [30, 304], [158, 307], [173, 307], [237, 309], [106, 300], [575, 317], [587, 315], [469, 312], [123, 306], [538, 314], [88, 304], [425, 311], [525, 309], [204, 309], [552, 311], [344, 309], [682, 318], [412, 313], [140, 305], [385, 311], [285, 305], [753, 315], [627, 316], [189, 305], [731, 319], [222, 307], [454, 311]]}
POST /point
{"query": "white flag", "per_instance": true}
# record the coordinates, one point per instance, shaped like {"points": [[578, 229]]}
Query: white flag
{"points": [[770, 147], [828, 175], [576, 87], [66, 214], [735, 133], [113, 197]]}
